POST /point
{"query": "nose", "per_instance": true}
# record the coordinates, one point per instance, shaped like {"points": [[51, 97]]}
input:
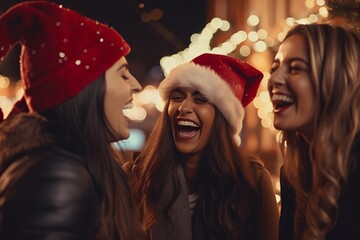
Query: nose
{"points": [[276, 78], [185, 106], [135, 85]]}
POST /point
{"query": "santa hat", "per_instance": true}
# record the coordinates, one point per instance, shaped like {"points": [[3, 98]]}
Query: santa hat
{"points": [[62, 51], [227, 82]]}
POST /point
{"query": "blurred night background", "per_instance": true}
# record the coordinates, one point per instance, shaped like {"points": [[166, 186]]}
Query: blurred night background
{"points": [[165, 33]]}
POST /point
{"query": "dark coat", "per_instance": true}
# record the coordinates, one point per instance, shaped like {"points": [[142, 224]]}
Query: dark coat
{"points": [[348, 223], [46, 191]]}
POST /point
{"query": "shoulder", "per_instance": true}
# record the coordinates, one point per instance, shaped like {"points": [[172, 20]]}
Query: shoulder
{"points": [[257, 167], [48, 191], [256, 163], [268, 213], [261, 175], [47, 171], [51, 168]]}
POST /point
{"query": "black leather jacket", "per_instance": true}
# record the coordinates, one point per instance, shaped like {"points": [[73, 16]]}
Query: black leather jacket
{"points": [[46, 191]]}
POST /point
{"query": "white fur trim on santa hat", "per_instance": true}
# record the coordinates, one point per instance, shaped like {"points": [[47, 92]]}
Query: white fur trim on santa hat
{"points": [[214, 88]]}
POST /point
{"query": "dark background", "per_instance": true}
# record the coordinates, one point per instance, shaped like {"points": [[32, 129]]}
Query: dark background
{"points": [[149, 40]]}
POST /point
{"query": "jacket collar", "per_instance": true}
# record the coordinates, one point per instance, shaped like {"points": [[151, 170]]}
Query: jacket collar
{"points": [[22, 133]]}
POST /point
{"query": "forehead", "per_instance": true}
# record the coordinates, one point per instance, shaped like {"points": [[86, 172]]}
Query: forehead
{"points": [[191, 90], [293, 46]]}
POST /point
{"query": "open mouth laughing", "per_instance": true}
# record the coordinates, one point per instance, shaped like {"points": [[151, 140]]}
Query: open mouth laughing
{"points": [[127, 110], [187, 129], [281, 102]]}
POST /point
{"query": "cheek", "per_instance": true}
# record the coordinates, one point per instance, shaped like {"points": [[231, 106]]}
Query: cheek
{"points": [[305, 94], [113, 105], [207, 116], [117, 95], [172, 110]]}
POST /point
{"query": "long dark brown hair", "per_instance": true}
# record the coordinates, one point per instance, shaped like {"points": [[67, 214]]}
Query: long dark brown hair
{"points": [[318, 169], [227, 196], [83, 118]]}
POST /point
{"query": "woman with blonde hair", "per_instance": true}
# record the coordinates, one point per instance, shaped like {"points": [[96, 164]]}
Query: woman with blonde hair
{"points": [[315, 89]]}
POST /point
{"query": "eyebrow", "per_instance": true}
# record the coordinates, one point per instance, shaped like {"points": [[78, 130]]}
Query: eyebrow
{"points": [[197, 93], [292, 60], [125, 65], [182, 90], [299, 59]]}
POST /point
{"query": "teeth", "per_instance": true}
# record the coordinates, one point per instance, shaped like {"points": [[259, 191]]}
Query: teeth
{"points": [[187, 123], [281, 97], [128, 106], [128, 110]]}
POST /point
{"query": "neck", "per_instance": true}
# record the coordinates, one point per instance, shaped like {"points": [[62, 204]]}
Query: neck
{"points": [[191, 166]]}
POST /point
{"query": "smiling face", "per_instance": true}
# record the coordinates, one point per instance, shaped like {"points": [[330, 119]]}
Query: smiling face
{"points": [[290, 87], [192, 118], [120, 86]]}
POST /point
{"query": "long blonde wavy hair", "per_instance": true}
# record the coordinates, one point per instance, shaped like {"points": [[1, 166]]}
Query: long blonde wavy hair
{"points": [[318, 169]]}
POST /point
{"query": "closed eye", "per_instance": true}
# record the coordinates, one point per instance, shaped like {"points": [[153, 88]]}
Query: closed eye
{"points": [[274, 67], [200, 100], [177, 96], [296, 70], [125, 77]]}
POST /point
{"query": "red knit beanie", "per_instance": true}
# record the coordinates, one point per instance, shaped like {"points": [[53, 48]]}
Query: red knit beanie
{"points": [[62, 51]]}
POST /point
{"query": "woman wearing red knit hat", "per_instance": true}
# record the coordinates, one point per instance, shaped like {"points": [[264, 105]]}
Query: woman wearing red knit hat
{"points": [[59, 176], [201, 184]]}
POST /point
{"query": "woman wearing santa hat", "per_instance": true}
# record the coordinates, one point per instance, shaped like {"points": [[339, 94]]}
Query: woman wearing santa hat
{"points": [[59, 176], [192, 180]]}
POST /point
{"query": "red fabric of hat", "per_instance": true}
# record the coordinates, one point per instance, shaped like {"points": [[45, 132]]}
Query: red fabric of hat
{"points": [[62, 51], [243, 78]]}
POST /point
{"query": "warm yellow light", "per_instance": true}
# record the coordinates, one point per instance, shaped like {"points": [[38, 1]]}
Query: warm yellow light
{"points": [[264, 96], [260, 46], [160, 105], [253, 20], [290, 21], [277, 198], [323, 12], [320, 2], [253, 36], [281, 36], [269, 42], [313, 18], [4, 82], [266, 122], [265, 80], [309, 3], [238, 37], [225, 26], [262, 33], [216, 23], [245, 51], [257, 102], [228, 47]]}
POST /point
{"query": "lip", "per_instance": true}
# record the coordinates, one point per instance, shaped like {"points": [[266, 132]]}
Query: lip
{"points": [[129, 102], [281, 97], [282, 109], [127, 119], [127, 108]]}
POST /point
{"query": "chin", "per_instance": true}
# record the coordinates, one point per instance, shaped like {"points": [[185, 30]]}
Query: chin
{"points": [[279, 124]]}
